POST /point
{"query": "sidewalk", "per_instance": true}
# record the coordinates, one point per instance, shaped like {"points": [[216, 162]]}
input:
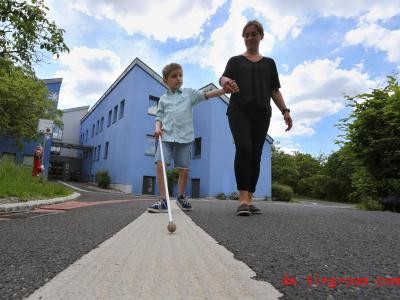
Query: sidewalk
{"points": [[144, 261], [29, 205]]}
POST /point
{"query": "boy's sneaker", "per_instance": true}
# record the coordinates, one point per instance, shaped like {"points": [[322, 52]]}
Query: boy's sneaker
{"points": [[158, 207], [254, 209], [183, 203], [243, 210]]}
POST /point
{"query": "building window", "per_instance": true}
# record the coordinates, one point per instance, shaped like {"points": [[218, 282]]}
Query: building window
{"points": [[95, 154], [98, 127], [87, 133], [197, 148], [121, 109], [148, 185], [150, 145], [98, 152], [93, 130], [55, 150], [109, 118], [57, 133], [153, 102], [195, 188], [115, 113], [101, 124], [106, 150]]}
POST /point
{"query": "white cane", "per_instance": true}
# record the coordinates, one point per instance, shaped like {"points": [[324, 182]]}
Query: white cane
{"points": [[171, 226]]}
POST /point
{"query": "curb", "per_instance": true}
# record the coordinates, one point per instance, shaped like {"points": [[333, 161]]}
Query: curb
{"points": [[20, 206]]}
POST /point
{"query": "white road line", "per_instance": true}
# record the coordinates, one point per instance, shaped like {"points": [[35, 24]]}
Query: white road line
{"points": [[74, 187]]}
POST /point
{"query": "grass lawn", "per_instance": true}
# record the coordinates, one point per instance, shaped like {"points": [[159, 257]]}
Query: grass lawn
{"points": [[18, 185]]}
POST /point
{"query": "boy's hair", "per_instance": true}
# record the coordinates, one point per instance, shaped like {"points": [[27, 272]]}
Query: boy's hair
{"points": [[257, 24], [169, 68]]}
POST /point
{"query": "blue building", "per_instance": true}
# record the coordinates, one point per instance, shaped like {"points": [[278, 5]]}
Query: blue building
{"points": [[118, 132], [8, 146]]}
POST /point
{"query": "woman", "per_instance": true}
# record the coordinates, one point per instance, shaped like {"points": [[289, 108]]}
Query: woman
{"points": [[255, 77]]}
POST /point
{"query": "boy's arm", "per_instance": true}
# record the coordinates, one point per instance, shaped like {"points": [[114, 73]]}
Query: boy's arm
{"points": [[219, 92], [158, 129], [159, 117], [214, 93]]}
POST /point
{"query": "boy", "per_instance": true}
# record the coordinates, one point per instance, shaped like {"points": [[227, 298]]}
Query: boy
{"points": [[174, 122]]}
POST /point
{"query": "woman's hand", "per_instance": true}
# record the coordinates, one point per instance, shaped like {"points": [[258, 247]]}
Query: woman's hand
{"points": [[288, 120], [229, 85]]}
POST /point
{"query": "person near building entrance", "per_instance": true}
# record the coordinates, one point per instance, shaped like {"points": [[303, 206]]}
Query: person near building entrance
{"points": [[37, 161]]}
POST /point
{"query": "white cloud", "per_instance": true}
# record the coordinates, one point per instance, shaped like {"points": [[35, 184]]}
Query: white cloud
{"points": [[157, 19], [380, 12], [377, 37], [86, 73], [315, 90]]}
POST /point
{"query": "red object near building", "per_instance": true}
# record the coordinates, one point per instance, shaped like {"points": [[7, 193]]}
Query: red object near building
{"points": [[37, 161]]}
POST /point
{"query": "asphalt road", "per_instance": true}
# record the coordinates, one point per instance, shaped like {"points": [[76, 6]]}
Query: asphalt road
{"points": [[296, 240]]}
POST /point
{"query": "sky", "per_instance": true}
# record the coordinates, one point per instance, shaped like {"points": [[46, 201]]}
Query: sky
{"points": [[323, 49]]}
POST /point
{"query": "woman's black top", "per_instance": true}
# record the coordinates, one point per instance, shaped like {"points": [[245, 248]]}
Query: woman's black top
{"points": [[256, 81]]}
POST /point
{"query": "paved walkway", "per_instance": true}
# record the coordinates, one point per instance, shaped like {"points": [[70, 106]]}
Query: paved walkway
{"points": [[145, 261]]}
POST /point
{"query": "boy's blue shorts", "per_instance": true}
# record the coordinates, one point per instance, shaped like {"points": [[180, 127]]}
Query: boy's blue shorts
{"points": [[180, 153]]}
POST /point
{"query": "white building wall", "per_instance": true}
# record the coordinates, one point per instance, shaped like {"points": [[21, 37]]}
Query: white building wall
{"points": [[72, 123]]}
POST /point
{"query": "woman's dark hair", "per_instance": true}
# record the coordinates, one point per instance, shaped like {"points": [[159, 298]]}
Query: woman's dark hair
{"points": [[257, 24]]}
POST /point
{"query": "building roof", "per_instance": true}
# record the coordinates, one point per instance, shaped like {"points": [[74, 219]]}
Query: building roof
{"points": [[53, 80], [135, 62], [76, 108]]}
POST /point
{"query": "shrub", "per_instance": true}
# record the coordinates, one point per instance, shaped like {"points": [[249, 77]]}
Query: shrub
{"points": [[234, 196], [369, 203], [313, 186], [281, 192], [221, 196], [103, 179]]}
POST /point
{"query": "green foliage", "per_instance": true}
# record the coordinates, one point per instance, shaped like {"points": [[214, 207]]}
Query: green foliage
{"points": [[172, 180], [306, 165], [103, 179], [221, 196], [24, 99], [372, 139], [26, 34], [17, 182], [314, 186], [284, 168], [234, 196], [281, 192], [338, 168], [172, 176], [369, 203]]}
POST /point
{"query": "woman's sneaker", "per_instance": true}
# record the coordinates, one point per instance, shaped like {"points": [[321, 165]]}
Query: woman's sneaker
{"points": [[183, 203], [243, 210], [158, 207], [254, 209]]}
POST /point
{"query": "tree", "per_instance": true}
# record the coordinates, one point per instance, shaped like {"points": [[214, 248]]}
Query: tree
{"points": [[306, 164], [26, 33], [284, 169], [24, 100], [372, 140], [339, 169]]}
